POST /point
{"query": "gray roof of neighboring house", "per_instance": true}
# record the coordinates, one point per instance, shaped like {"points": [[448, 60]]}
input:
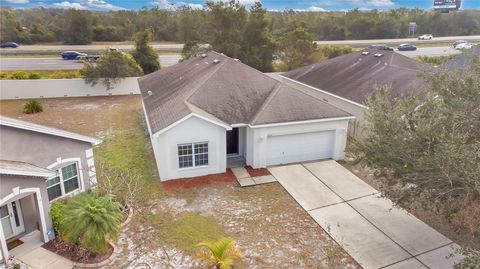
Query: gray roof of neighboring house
{"points": [[6, 121], [463, 60], [24, 169], [228, 91], [355, 76]]}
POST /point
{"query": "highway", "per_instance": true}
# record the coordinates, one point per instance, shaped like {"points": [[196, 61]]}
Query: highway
{"points": [[60, 64], [96, 48], [430, 51], [446, 39]]}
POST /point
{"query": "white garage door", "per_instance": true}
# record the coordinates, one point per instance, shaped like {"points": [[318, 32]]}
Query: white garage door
{"points": [[293, 148]]}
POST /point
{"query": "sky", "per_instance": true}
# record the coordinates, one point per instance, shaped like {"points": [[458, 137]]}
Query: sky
{"points": [[275, 5]]}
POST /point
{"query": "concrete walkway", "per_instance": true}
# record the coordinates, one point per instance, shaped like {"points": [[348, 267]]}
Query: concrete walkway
{"points": [[245, 180], [35, 257], [367, 226]]}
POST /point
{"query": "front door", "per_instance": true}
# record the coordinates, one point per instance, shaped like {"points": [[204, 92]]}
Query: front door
{"points": [[232, 141], [12, 219]]}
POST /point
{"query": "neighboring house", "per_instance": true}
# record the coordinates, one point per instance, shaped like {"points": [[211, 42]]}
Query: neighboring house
{"points": [[463, 60], [347, 81], [209, 111], [38, 165]]}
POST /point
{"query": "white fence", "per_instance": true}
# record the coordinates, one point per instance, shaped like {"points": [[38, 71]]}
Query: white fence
{"points": [[51, 88]]}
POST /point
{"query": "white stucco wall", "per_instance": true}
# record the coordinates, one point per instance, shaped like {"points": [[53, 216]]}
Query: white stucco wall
{"points": [[51, 88], [258, 138], [356, 110], [191, 130]]}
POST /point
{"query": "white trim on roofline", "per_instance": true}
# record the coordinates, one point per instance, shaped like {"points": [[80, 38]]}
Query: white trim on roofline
{"points": [[226, 126], [46, 130], [26, 173], [325, 92], [301, 122]]}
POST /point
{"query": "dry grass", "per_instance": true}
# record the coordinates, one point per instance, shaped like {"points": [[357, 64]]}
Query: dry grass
{"points": [[271, 229]]}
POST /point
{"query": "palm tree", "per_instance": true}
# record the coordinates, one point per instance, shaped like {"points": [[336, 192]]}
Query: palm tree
{"points": [[91, 221], [220, 254]]}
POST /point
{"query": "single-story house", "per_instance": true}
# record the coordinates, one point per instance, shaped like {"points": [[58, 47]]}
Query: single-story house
{"points": [[39, 165], [206, 112], [349, 80]]}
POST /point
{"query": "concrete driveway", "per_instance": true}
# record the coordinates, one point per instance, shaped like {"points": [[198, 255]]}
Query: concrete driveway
{"points": [[367, 226]]}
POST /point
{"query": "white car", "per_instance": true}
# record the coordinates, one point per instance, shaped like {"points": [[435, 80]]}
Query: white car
{"points": [[425, 37], [464, 46]]}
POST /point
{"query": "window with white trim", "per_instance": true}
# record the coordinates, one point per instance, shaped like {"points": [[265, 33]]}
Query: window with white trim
{"points": [[192, 154], [65, 182]]}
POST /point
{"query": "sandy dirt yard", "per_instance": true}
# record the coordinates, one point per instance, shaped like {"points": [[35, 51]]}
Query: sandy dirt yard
{"points": [[270, 228]]}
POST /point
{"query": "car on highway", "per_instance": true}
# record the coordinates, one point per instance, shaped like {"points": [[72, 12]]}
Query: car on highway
{"points": [[72, 55], [406, 46], [425, 37], [380, 47], [458, 42], [463, 46], [9, 45]]}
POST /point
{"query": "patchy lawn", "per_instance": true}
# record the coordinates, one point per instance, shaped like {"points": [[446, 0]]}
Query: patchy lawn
{"points": [[271, 229]]}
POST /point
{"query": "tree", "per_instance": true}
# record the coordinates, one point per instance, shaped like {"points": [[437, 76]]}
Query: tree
{"points": [[220, 254], [91, 221], [190, 49], [296, 46], [78, 29], [257, 44], [227, 26], [111, 67], [145, 55], [426, 148]]}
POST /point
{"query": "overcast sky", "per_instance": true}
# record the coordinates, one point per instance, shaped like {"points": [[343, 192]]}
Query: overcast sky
{"points": [[314, 5]]}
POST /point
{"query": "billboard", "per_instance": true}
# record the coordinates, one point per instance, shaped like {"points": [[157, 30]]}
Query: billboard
{"points": [[446, 4]]}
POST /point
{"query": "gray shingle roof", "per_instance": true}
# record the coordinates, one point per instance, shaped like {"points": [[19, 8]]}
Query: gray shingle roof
{"points": [[228, 91], [355, 76], [463, 60], [24, 169]]}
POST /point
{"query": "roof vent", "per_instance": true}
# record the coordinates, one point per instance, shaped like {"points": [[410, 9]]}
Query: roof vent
{"points": [[378, 55], [237, 60], [150, 93], [365, 52], [216, 61], [204, 55]]}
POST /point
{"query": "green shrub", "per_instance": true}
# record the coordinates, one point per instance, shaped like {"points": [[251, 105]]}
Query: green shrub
{"points": [[19, 75], [32, 107], [34, 75], [3, 75], [91, 221], [57, 212], [333, 51], [64, 74]]}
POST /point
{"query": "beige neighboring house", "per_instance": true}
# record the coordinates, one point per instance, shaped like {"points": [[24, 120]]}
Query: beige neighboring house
{"points": [[38, 165], [213, 112], [349, 80]]}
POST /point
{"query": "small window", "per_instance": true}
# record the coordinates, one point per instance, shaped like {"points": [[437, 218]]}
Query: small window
{"points": [[192, 154], [67, 181]]}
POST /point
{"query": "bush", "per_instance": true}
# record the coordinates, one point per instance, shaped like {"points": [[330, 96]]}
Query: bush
{"points": [[3, 75], [19, 75], [34, 75], [32, 107], [91, 221], [64, 74], [57, 212]]}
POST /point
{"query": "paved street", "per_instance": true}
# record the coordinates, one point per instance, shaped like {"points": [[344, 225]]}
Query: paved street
{"points": [[399, 40], [376, 234], [59, 64], [430, 51], [58, 48]]}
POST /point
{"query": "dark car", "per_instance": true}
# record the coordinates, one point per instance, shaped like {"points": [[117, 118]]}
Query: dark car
{"points": [[407, 47], [72, 55], [380, 47], [9, 45]]}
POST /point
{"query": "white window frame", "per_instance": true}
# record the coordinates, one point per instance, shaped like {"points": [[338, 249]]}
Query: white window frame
{"points": [[193, 155], [62, 186]]}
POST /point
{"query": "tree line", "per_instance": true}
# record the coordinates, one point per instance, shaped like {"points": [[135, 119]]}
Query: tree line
{"points": [[82, 26]]}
